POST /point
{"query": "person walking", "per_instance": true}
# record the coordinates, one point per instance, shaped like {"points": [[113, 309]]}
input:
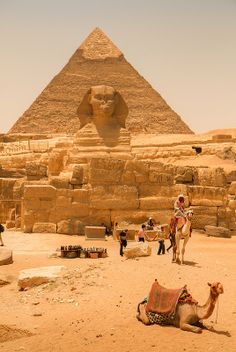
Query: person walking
{"points": [[1, 230], [161, 240], [142, 234], [123, 241]]}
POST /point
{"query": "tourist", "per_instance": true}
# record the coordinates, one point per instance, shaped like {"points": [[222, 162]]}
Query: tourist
{"points": [[172, 240], [142, 234], [161, 240], [179, 212], [179, 207], [123, 240], [150, 224], [1, 230]]}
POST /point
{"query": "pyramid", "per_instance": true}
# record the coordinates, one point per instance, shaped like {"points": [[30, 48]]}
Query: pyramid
{"points": [[98, 62]]}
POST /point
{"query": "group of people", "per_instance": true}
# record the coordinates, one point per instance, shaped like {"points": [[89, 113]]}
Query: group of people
{"points": [[179, 217]]}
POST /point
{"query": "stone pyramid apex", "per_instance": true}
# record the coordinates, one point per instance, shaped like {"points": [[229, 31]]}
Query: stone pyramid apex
{"points": [[98, 46]]}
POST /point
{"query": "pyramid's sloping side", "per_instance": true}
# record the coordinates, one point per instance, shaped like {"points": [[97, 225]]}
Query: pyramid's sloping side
{"points": [[54, 111]]}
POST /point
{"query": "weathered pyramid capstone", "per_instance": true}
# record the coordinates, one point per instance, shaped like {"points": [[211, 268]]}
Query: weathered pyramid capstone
{"points": [[98, 62]]}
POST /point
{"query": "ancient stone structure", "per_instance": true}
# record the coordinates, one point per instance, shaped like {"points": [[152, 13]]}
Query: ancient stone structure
{"points": [[104, 173], [98, 62], [73, 184]]}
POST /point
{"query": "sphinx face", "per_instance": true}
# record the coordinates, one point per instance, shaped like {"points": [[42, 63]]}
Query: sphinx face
{"points": [[102, 100]]}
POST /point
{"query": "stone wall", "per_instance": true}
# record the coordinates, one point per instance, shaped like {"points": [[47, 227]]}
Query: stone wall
{"points": [[127, 190], [64, 189]]}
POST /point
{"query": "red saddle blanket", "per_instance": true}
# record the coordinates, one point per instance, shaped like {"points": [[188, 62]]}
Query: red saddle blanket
{"points": [[163, 300]]}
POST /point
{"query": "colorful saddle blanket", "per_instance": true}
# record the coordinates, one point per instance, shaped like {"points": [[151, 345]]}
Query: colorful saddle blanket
{"points": [[162, 300]]}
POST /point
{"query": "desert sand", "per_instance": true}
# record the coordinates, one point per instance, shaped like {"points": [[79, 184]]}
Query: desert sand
{"points": [[92, 307]]}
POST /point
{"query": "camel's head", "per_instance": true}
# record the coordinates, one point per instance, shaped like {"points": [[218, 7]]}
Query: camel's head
{"points": [[216, 288], [189, 214]]}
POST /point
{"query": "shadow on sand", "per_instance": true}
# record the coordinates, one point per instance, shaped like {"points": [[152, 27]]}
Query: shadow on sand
{"points": [[192, 263]]}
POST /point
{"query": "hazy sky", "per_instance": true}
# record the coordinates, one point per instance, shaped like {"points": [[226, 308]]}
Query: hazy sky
{"points": [[186, 49]]}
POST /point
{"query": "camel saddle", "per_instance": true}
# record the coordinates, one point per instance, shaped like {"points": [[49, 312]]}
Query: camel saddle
{"points": [[162, 300], [176, 223]]}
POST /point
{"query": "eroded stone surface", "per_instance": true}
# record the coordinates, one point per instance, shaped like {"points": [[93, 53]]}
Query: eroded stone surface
{"points": [[38, 276]]}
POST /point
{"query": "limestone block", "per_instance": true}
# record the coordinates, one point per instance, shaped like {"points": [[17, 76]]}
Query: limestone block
{"points": [[5, 256], [231, 176], [18, 189], [128, 177], [114, 197], [211, 177], [105, 170], [153, 190], [232, 188], [161, 178], [59, 181], [56, 161], [200, 221], [79, 227], [232, 204], [80, 195], [66, 227], [78, 209], [62, 201], [32, 204], [6, 188], [77, 175], [38, 191], [135, 171], [10, 224], [38, 276], [42, 215], [134, 250], [207, 196], [217, 231], [185, 174], [64, 192], [18, 223], [156, 203], [98, 216], [29, 220], [204, 210], [226, 216], [95, 232], [35, 170], [227, 153], [46, 227], [221, 137]]}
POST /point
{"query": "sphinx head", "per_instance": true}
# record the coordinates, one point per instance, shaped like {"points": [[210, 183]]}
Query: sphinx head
{"points": [[103, 106]]}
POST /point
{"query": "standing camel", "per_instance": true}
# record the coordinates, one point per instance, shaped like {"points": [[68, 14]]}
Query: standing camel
{"points": [[188, 316], [182, 233]]}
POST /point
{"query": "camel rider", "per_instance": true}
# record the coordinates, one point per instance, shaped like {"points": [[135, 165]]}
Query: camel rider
{"points": [[179, 213]]}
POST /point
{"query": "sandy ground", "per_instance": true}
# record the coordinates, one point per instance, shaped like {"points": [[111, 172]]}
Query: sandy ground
{"points": [[93, 306]]}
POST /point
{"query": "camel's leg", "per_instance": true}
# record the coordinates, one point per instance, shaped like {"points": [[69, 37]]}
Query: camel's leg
{"points": [[177, 241], [142, 316], [188, 327], [183, 248]]}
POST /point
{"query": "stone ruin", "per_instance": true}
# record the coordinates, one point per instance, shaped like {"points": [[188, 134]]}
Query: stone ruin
{"points": [[104, 173]]}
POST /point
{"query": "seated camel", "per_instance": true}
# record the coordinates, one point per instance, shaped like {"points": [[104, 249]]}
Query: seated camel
{"points": [[185, 314]]}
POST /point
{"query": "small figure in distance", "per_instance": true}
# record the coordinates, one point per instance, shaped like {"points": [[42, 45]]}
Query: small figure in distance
{"points": [[150, 224], [1, 230], [123, 241], [142, 233], [161, 240]]}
